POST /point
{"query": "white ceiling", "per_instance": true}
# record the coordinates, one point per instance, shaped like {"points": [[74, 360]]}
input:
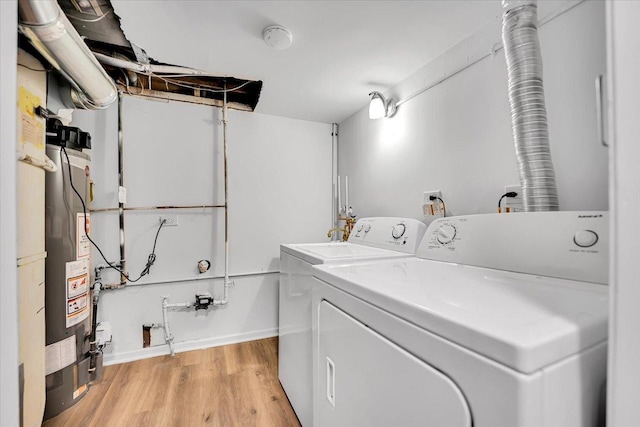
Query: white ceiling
{"points": [[341, 50]]}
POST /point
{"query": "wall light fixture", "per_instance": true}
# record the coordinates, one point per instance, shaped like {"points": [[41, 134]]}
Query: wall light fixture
{"points": [[380, 106]]}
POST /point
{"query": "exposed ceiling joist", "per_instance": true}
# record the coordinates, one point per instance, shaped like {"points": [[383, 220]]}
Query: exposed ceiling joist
{"points": [[98, 24]]}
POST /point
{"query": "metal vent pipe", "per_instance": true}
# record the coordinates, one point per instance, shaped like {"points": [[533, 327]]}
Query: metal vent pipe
{"points": [[51, 33], [528, 112]]}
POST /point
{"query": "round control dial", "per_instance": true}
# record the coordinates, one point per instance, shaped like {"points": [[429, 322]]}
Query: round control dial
{"points": [[367, 227], [398, 231], [585, 238], [446, 233]]}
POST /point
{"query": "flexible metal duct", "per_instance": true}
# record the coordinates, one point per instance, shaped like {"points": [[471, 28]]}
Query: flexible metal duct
{"points": [[528, 112], [51, 33]]}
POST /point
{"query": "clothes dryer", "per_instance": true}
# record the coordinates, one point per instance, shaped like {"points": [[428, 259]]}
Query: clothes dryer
{"points": [[500, 321], [371, 239]]}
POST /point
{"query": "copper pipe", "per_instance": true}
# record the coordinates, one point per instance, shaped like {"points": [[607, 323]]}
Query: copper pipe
{"points": [[150, 208]]}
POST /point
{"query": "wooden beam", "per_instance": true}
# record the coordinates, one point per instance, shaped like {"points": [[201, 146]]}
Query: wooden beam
{"points": [[170, 96]]}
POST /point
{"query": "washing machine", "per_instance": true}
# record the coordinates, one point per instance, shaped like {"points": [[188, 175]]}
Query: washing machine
{"points": [[499, 321], [371, 239]]}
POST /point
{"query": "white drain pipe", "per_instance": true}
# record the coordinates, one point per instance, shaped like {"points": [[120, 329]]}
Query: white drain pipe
{"points": [[168, 338], [528, 112], [55, 38]]}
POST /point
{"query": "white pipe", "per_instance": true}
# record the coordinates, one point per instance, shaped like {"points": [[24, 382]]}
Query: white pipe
{"points": [[227, 281], [339, 196], [121, 63], [115, 286], [180, 305], [151, 68], [334, 178], [168, 338], [51, 33], [346, 195]]}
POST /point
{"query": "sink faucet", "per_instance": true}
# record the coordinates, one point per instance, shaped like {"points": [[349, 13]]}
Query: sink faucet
{"points": [[346, 230]]}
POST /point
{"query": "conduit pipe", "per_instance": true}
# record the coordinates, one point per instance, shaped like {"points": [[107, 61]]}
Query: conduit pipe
{"points": [[113, 286], [335, 214], [121, 190], [227, 281], [150, 68], [528, 112], [51, 33]]}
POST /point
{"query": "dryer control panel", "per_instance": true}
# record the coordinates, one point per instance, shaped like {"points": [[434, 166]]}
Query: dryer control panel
{"points": [[568, 245], [398, 234]]}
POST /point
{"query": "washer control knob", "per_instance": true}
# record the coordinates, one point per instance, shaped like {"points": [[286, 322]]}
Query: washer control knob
{"points": [[585, 238], [367, 227], [360, 227], [398, 231], [446, 234]]}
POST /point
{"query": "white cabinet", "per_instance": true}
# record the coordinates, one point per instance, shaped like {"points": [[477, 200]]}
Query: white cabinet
{"points": [[31, 254], [294, 345]]}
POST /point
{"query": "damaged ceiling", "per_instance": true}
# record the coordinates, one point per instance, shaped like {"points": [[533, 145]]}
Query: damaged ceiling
{"points": [[99, 25]]}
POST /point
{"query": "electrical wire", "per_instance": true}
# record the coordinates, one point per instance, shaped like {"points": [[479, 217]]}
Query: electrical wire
{"points": [[199, 88], [174, 82], [444, 207], [509, 194], [33, 69], [165, 79], [152, 256], [124, 73], [98, 19], [203, 74]]}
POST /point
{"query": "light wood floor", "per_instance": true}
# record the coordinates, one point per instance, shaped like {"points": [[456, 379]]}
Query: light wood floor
{"points": [[234, 385]]}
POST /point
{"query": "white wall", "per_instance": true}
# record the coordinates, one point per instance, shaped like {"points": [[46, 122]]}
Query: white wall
{"points": [[279, 191], [623, 383], [9, 403], [456, 137]]}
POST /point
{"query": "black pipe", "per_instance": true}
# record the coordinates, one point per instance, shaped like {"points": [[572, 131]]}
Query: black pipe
{"points": [[94, 325], [123, 263]]}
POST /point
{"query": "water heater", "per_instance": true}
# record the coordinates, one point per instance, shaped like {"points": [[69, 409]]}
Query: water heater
{"points": [[68, 303]]}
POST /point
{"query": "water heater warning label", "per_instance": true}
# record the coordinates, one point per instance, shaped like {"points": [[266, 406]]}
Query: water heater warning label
{"points": [[77, 286], [77, 295], [83, 245], [76, 305], [59, 355]]}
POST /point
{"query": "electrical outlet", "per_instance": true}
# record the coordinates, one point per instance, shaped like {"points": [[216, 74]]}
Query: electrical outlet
{"points": [[432, 208], [513, 204], [427, 194], [169, 220]]}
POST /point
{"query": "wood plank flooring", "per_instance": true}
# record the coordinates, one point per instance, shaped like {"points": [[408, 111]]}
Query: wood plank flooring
{"points": [[228, 386]]}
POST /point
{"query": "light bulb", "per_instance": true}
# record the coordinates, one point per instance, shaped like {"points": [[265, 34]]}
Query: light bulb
{"points": [[377, 107]]}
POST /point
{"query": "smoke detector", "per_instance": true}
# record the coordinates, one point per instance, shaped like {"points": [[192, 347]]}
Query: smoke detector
{"points": [[277, 37]]}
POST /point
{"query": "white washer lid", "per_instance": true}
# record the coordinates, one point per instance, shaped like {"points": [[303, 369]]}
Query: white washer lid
{"points": [[523, 321], [322, 253]]}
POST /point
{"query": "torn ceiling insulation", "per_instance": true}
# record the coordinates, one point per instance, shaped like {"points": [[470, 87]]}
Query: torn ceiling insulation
{"points": [[138, 75]]}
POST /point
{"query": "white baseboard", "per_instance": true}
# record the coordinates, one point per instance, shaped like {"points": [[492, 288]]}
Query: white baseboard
{"points": [[179, 347]]}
